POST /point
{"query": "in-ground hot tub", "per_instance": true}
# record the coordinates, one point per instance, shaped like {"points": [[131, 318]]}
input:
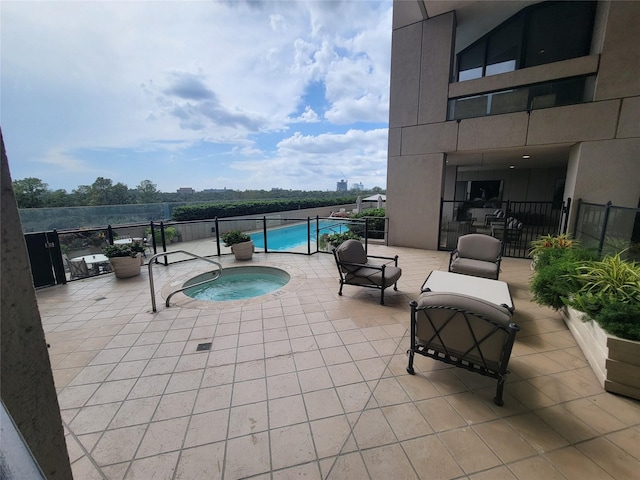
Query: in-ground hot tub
{"points": [[238, 283]]}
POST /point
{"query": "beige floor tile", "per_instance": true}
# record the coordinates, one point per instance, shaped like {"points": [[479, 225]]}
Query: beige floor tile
{"points": [[371, 369], [164, 436], [471, 408], [248, 419], [344, 374], [158, 467], [287, 411], [176, 405], [431, 459], [314, 379], [354, 397], [406, 421], [207, 428], [283, 385], [538, 433], [330, 435], [76, 396], [373, 430], [119, 445], [344, 467], [322, 404], [291, 445], [247, 456], [181, 381], [498, 473], [388, 391], [135, 412], [566, 424], [213, 398], [125, 370], [279, 365], [250, 391], [628, 440], [205, 461], [149, 386], [504, 441], [310, 471], [573, 464], [308, 360], [388, 462], [611, 458], [222, 375], [92, 374], [85, 469], [115, 472], [535, 468], [94, 418], [469, 450], [440, 415]]}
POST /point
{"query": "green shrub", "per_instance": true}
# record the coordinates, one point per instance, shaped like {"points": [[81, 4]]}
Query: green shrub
{"points": [[375, 223], [554, 279], [620, 319], [335, 239], [170, 233]]}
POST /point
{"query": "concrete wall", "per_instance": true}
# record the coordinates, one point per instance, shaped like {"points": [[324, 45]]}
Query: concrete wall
{"points": [[25, 373], [603, 134]]}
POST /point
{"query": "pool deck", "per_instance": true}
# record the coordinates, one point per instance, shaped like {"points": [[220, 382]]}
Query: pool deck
{"points": [[309, 384]]}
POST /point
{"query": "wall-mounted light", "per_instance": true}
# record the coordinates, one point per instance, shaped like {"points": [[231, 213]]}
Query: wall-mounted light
{"points": [[526, 156], [512, 166]]}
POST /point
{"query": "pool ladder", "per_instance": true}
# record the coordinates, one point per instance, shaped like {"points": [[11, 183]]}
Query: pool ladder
{"points": [[215, 275]]}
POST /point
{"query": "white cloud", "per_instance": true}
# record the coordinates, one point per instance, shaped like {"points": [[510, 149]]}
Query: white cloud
{"points": [[171, 76]]}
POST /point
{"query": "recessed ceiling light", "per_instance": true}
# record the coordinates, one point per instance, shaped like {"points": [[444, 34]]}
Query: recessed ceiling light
{"points": [[512, 166], [526, 156]]}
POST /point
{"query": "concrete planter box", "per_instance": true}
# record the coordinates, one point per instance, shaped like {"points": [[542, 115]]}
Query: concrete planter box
{"points": [[615, 361], [125, 267]]}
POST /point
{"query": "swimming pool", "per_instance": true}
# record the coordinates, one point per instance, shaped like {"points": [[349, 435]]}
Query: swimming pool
{"points": [[293, 236]]}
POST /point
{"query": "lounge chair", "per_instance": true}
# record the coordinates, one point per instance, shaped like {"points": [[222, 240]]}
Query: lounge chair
{"points": [[464, 331], [78, 268], [355, 268], [478, 255]]}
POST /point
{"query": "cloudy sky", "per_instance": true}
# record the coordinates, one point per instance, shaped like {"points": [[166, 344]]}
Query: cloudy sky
{"points": [[203, 94]]}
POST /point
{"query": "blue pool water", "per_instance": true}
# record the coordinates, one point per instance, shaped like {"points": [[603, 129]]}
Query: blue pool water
{"points": [[286, 238], [238, 283]]}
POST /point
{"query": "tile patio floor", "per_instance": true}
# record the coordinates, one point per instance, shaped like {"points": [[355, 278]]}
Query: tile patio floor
{"points": [[308, 384]]}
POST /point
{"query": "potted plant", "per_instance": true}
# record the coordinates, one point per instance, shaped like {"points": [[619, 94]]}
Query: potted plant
{"points": [[240, 243], [599, 299], [125, 259]]}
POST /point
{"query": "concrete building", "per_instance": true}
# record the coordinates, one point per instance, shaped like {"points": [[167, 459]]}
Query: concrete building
{"points": [[530, 96], [341, 186]]}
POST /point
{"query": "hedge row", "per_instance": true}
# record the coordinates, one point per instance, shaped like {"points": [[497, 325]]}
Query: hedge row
{"points": [[258, 207], [375, 223]]}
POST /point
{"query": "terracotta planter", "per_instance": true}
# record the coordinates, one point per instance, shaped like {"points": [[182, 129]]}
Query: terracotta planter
{"points": [[125, 267], [615, 361], [243, 251]]}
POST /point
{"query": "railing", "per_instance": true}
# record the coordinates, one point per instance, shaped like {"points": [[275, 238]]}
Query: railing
{"points": [[215, 275], [609, 228], [531, 220]]}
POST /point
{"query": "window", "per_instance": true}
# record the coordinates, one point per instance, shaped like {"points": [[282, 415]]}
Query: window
{"points": [[543, 33]]}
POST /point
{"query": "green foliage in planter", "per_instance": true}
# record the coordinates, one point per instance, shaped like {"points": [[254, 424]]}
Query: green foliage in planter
{"points": [[335, 239], [170, 233], [375, 228], [126, 250], [620, 319], [603, 282], [234, 236], [546, 242], [554, 278]]}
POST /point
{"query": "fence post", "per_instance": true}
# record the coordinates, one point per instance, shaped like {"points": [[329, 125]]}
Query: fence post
{"points": [[366, 234], [264, 230], [110, 234], [308, 235], [164, 243], [604, 227], [565, 223], [217, 235]]}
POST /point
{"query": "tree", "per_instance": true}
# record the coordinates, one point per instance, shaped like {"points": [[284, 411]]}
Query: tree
{"points": [[104, 192], [147, 192], [29, 192]]}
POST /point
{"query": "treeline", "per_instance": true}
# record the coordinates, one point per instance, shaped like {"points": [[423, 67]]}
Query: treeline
{"points": [[34, 193]]}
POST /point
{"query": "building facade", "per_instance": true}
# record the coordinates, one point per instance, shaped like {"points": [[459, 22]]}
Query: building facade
{"points": [[528, 99]]}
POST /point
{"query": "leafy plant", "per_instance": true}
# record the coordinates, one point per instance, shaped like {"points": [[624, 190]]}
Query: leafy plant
{"points": [[545, 242], [335, 239], [125, 250], [234, 236], [607, 281], [170, 233]]}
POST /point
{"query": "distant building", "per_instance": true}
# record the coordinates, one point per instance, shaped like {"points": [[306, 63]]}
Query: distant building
{"points": [[341, 186], [357, 186], [187, 190]]}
